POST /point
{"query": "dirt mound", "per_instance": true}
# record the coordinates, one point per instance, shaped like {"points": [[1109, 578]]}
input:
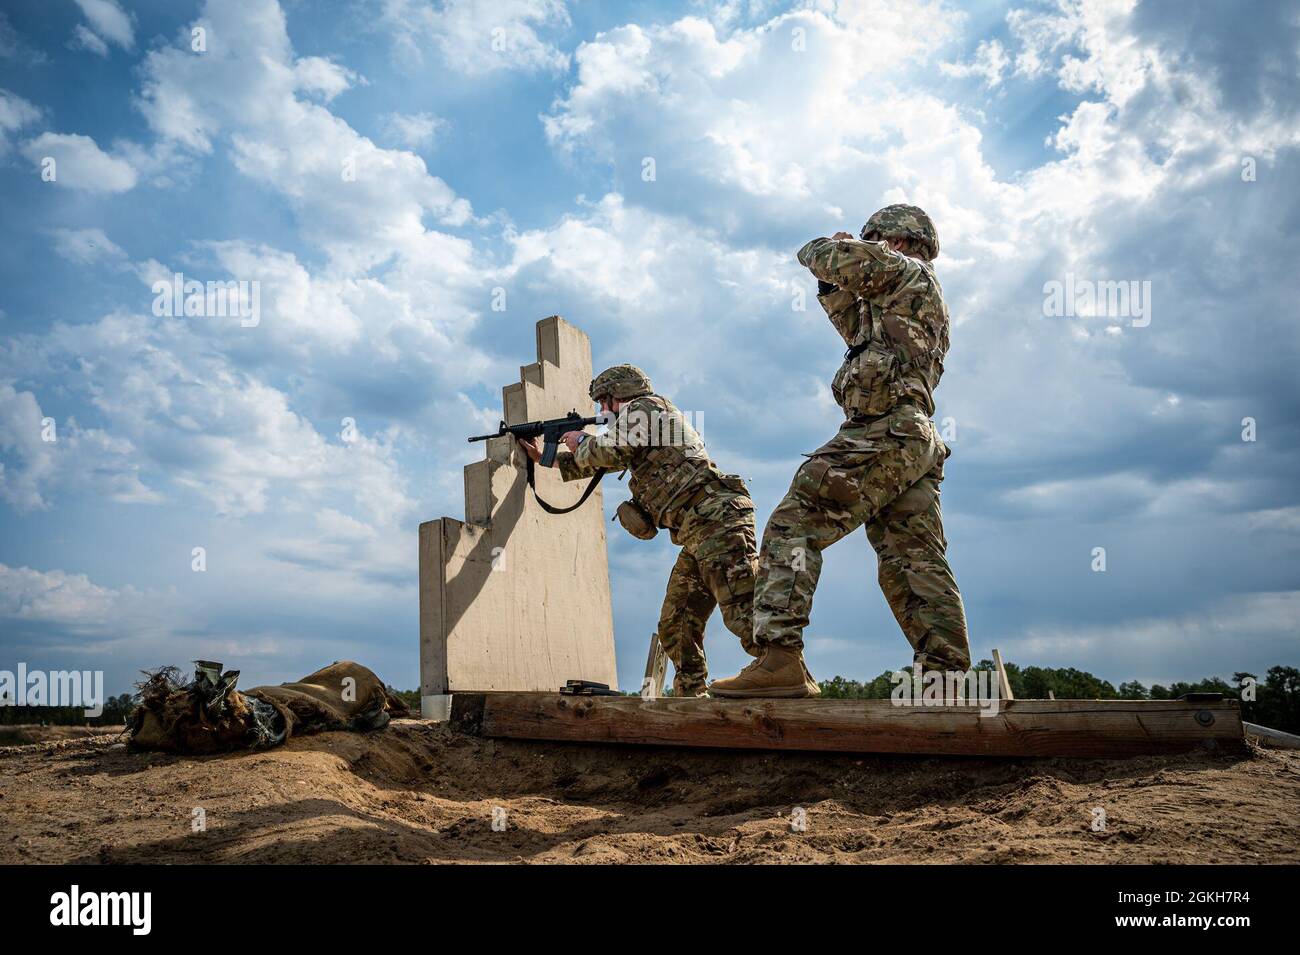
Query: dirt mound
{"points": [[419, 792]]}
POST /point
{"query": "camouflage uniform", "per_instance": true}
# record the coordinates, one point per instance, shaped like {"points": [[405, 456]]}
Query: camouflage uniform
{"points": [[884, 467], [709, 514]]}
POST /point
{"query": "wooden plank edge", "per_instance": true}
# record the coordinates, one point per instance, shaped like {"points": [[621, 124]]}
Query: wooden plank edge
{"points": [[751, 724]]}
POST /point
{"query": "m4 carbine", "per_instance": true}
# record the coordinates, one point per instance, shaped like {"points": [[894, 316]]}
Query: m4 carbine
{"points": [[551, 432]]}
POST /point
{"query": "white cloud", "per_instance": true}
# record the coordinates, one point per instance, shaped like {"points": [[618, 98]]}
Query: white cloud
{"points": [[108, 23], [59, 619], [204, 407], [80, 163], [1158, 640], [413, 130], [214, 430], [733, 130], [69, 600], [86, 246], [989, 63], [359, 202], [50, 456], [478, 36], [316, 74], [15, 113], [85, 39]]}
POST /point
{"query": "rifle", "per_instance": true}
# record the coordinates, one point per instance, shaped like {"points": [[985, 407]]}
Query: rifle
{"points": [[551, 432]]}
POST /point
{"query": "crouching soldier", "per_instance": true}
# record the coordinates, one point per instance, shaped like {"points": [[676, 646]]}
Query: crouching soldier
{"points": [[677, 487]]}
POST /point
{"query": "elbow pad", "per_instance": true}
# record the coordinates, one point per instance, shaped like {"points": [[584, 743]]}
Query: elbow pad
{"points": [[825, 288]]}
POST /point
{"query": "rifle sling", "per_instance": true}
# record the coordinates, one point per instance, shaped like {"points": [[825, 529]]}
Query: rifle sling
{"points": [[551, 508]]}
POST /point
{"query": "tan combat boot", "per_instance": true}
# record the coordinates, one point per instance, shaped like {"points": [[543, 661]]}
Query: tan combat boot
{"points": [[778, 674]]}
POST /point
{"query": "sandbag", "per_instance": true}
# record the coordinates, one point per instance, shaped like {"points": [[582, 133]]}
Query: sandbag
{"points": [[344, 695], [208, 715]]}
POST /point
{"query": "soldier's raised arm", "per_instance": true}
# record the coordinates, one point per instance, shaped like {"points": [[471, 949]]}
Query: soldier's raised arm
{"points": [[864, 268], [841, 307]]}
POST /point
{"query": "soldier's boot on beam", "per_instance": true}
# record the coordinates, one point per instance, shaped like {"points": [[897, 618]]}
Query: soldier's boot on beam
{"points": [[780, 673]]}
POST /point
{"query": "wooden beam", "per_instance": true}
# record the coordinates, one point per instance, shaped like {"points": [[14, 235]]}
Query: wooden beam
{"points": [[1100, 728], [1272, 737]]}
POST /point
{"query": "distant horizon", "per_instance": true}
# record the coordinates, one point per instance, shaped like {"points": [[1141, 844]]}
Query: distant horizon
{"points": [[1227, 678]]}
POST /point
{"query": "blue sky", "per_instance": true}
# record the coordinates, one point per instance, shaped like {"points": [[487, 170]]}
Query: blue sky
{"points": [[1108, 141]]}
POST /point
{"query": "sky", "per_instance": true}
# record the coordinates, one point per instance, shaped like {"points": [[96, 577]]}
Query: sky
{"points": [[1123, 493]]}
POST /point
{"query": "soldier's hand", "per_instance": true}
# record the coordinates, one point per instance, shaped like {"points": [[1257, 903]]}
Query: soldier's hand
{"points": [[571, 439], [530, 448], [843, 235]]}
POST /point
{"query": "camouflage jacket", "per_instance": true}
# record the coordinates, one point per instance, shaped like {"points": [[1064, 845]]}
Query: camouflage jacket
{"points": [[889, 308], [673, 478]]}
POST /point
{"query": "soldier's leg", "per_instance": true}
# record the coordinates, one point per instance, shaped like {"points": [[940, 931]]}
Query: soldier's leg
{"points": [[728, 562], [831, 494], [916, 578], [822, 506], [688, 604], [796, 533]]}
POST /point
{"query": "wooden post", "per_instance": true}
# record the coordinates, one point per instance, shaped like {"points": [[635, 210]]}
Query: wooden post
{"points": [[656, 670], [1003, 682]]}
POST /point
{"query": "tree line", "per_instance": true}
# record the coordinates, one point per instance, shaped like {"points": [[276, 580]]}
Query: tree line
{"points": [[1273, 701]]}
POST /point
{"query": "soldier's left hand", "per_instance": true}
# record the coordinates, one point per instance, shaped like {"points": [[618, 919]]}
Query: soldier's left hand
{"points": [[530, 448], [571, 439]]}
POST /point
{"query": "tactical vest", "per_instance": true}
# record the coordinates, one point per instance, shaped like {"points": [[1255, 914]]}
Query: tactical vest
{"points": [[871, 381], [674, 466]]}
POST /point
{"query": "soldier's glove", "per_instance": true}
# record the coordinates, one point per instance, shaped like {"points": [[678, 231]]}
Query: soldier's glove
{"points": [[825, 288]]}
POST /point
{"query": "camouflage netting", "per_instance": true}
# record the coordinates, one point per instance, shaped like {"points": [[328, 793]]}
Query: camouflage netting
{"points": [[208, 715]]}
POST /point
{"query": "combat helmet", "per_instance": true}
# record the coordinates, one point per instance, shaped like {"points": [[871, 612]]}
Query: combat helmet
{"points": [[905, 222], [621, 382]]}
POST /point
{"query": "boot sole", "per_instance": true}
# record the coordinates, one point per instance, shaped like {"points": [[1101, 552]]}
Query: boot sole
{"points": [[771, 693]]}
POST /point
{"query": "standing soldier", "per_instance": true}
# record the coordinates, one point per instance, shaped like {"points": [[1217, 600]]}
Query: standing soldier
{"points": [[674, 485], [882, 469]]}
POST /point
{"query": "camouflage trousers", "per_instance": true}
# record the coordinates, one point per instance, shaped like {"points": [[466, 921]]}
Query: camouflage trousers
{"points": [[884, 473], [716, 568]]}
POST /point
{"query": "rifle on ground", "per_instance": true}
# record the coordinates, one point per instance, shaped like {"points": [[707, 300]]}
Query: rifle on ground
{"points": [[551, 432]]}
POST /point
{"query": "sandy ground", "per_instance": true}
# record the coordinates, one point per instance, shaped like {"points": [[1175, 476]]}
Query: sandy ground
{"points": [[21, 733], [419, 792]]}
